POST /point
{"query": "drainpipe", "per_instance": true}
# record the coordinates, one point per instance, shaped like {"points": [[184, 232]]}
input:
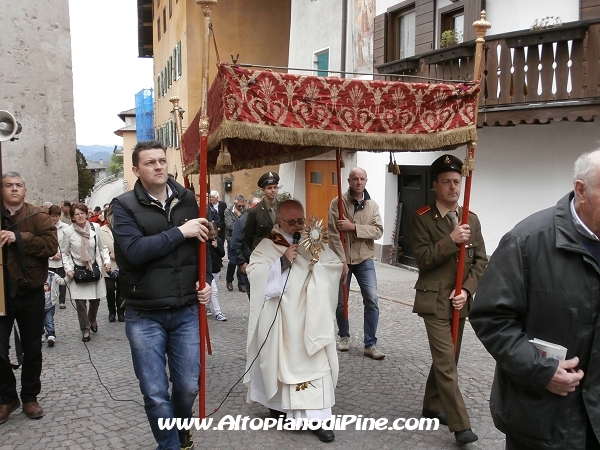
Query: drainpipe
{"points": [[344, 35]]}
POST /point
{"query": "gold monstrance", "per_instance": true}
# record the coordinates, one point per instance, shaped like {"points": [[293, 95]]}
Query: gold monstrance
{"points": [[316, 237]]}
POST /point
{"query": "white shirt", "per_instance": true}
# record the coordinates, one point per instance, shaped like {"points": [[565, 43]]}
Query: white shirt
{"points": [[580, 226]]}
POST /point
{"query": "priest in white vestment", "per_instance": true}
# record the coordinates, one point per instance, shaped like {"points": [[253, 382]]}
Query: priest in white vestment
{"points": [[292, 312]]}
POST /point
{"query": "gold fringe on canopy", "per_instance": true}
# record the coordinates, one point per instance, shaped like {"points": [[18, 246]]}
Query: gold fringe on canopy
{"points": [[361, 141]]}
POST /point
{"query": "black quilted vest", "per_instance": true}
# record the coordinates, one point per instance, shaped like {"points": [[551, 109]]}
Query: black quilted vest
{"points": [[168, 281]]}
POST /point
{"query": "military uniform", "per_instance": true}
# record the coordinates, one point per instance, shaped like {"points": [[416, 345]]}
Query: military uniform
{"points": [[436, 255], [437, 258], [259, 222]]}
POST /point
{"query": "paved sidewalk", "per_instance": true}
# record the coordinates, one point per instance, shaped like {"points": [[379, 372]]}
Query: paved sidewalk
{"points": [[80, 414]]}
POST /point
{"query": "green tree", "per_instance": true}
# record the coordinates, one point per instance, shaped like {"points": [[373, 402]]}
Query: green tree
{"points": [[85, 180], [115, 165]]}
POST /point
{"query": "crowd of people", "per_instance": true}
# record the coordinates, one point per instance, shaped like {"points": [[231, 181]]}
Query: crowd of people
{"points": [[141, 253]]}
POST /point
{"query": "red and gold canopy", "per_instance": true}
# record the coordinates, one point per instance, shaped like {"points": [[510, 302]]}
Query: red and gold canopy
{"points": [[265, 117]]}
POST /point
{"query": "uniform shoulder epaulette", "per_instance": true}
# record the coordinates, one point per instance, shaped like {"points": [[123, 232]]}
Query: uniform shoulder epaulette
{"points": [[423, 210], [472, 212]]}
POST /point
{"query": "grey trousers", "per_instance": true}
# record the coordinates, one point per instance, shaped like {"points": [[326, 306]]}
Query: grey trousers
{"points": [[87, 317]]}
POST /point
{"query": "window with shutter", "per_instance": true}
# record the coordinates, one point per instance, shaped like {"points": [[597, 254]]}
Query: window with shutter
{"points": [[179, 71], [452, 23], [175, 76], [170, 70], [175, 137], [402, 32]]}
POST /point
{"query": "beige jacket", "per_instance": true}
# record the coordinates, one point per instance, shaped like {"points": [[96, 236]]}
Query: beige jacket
{"points": [[360, 244]]}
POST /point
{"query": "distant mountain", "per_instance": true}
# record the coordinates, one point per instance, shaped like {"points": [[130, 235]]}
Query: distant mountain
{"points": [[96, 152]]}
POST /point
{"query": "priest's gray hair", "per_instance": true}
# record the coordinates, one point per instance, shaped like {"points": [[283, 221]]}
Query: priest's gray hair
{"points": [[288, 203]]}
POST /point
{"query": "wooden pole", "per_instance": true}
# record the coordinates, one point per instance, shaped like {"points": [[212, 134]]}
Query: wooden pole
{"points": [[338, 154], [2, 301], [469, 165], [206, 6]]}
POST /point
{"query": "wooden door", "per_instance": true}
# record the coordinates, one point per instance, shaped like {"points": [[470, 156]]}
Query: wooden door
{"points": [[321, 187]]}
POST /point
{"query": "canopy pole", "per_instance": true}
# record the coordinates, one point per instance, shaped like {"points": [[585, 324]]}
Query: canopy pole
{"points": [[206, 6], [469, 165], [2, 299], [338, 160], [344, 73]]}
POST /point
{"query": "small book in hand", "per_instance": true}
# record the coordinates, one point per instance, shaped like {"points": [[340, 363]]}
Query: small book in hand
{"points": [[550, 350]]}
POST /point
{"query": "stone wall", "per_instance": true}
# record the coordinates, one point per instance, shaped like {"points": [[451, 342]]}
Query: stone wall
{"points": [[36, 86]]}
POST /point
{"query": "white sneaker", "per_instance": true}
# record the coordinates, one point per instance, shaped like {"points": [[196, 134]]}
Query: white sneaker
{"points": [[221, 317], [208, 312], [344, 344], [50, 341]]}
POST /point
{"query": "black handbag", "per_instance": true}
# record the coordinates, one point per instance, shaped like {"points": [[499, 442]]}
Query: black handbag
{"points": [[81, 274]]}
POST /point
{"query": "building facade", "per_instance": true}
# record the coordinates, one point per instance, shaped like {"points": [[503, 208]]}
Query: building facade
{"points": [[36, 86], [171, 32], [538, 108], [128, 133]]}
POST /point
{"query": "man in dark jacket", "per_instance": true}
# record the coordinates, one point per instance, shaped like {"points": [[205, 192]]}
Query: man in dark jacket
{"points": [[232, 215], [543, 282], [218, 207], [240, 252], [28, 238], [156, 230]]}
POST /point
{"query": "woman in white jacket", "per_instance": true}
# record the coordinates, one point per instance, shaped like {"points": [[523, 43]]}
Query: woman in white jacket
{"points": [[82, 245]]}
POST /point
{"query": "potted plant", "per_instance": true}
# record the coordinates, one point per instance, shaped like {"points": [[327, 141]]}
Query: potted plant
{"points": [[450, 37]]}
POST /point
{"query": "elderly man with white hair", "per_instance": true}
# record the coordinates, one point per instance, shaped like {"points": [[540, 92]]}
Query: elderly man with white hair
{"points": [[543, 282]]}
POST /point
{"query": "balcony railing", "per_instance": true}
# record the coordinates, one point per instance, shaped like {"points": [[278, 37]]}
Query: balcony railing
{"points": [[529, 76]]}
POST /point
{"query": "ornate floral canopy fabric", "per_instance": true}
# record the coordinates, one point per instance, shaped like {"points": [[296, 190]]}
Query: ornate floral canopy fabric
{"points": [[265, 117]]}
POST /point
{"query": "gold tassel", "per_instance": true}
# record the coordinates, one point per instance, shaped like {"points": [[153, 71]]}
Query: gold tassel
{"points": [[224, 158], [465, 170], [396, 168]]}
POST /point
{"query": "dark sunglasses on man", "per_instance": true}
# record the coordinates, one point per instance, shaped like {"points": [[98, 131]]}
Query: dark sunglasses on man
{"points": [[293, 222]]}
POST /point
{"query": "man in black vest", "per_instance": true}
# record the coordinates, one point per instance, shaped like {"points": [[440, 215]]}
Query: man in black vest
{"points": [[156, 230]]}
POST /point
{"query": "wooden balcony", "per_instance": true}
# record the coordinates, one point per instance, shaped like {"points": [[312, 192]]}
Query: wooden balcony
{"points": [[528, 77]]}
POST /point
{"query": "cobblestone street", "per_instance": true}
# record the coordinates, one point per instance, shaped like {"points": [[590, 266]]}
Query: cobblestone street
{"points": [[81, 414]]}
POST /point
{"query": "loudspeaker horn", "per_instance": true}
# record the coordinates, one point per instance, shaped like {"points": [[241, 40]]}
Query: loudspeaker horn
{"points": [[9, 127]]}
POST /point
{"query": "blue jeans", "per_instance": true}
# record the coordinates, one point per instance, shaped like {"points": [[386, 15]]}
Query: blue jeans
{"points": [[49, 321], [153, 336], [367, 281]]}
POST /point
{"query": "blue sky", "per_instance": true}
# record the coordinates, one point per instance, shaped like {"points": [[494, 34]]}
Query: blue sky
{"points": [[107, 72]]}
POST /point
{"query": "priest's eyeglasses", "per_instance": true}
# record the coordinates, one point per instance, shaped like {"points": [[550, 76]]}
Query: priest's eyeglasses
{"points": [[293, 222]]}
